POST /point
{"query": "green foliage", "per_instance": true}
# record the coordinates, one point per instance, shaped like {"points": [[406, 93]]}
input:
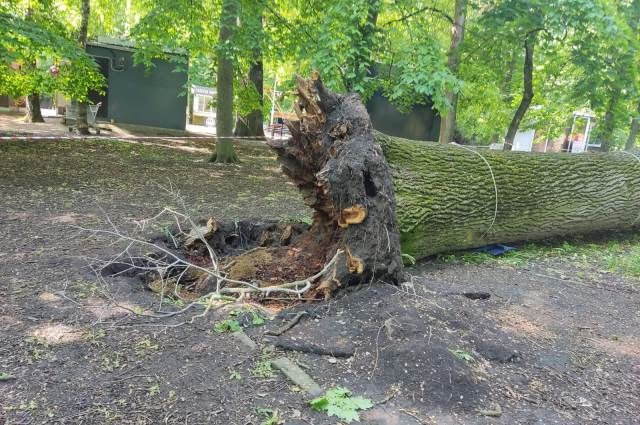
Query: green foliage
{"points": [[264, 368], [586, 53], [628, 263], [340, 403], [257, 318], [5, 376], [270, 416], [227, 325], [34, 40], [463, 355]]}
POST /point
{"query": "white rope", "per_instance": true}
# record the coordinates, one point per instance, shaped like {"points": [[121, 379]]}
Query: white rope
{"points": [[495, 185], [638, 158]]}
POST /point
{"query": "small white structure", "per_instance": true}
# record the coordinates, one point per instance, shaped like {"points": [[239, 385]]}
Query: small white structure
{"points": [[580, 131], [523, 141], [203, 111]]}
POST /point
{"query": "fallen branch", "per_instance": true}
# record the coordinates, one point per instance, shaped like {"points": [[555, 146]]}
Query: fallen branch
{"points": [[309, 347], [288, 325]]}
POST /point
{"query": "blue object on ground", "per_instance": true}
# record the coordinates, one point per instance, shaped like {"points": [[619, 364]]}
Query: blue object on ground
{"points": [[494, 249]]}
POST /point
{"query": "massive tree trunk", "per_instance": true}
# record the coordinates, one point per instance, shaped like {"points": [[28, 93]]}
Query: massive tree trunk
{"points": [[82, 127], [527, 95], [633, 132], [225, 152], [448, 124], [447, 196], [34, 113]]}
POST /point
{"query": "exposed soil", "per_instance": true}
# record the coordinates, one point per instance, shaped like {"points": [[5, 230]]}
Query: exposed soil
{"points": [[547, 346]]}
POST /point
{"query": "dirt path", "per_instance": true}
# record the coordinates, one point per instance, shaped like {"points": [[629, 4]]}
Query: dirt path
{"points": [[546, 346]]}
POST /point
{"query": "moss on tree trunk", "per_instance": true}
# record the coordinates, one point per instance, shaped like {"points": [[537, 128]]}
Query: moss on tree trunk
{"points": [[446, 197]]}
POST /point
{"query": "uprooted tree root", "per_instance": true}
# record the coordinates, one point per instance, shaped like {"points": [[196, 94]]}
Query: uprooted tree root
{"points": [[340, 170]]}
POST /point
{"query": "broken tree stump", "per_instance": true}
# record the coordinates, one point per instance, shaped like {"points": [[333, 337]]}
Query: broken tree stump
{"points": [[336, 163]]}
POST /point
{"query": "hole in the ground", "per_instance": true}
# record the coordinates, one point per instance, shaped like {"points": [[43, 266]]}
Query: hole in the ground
{"points": [[477, 295]]}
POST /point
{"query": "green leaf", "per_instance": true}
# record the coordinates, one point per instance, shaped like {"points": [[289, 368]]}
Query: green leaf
{"points": [[227, 325], [340, 403], [462, 355], [256, 318]]}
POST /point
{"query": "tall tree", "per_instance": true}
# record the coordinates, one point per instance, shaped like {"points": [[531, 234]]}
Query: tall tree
{"points": [[34, 112], [82, 127], [448, 123], [225, 152], [527, 94]]}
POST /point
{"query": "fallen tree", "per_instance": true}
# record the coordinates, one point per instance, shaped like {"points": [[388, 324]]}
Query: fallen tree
{"points": [[452, 197], [449, 197]]}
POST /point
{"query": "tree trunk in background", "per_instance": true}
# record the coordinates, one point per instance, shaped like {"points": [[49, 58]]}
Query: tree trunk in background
{"points": [[82, 127], [527, 95], [447, 198], [356, 73], [34, 113], [609, 122], [225, 152], [448, 123], [334, 161], [252, 125], [633, 132]]}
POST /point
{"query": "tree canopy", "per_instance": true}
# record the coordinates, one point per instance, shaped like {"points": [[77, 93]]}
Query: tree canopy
{"points": [[521, 63]]}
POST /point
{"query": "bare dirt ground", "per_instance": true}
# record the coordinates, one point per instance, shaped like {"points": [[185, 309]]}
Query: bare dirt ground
{"points": [[550, 345]]}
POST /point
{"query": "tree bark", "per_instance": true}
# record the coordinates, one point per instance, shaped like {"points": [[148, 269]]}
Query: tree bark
{"points": [[527, 95], [633, 132], [82, 127], [225, 152], [335, 162], [448, 123], [34, 113], [447, 198]]}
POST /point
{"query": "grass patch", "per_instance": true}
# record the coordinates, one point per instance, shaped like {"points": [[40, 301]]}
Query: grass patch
{"points": [[620, 255]]}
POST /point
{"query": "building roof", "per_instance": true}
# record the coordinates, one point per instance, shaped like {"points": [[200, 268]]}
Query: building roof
{"points": [[127, 45]]}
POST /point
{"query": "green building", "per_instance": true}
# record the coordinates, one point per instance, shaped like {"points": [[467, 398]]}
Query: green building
{"points": [[137, 95]]}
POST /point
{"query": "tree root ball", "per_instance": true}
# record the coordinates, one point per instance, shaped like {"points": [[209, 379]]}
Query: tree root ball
{"points": [[343, 176]]}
